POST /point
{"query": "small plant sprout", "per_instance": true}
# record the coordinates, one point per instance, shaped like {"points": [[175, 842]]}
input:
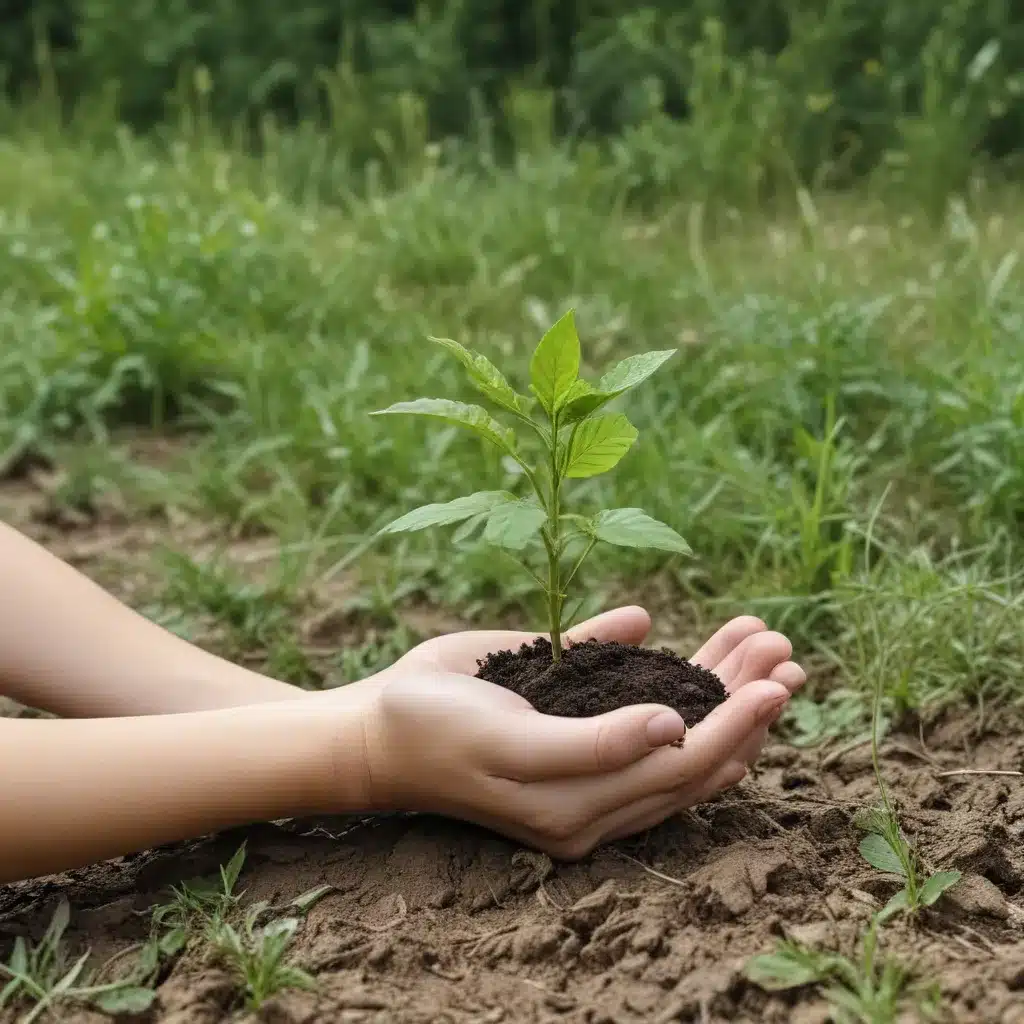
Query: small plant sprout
{"points": [[196, 905], [886, 848], [869, 989], [574, 440], [44, 976], [257, 955]]}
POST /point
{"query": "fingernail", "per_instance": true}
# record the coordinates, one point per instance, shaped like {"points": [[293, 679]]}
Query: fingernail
{"points": [[773, 711], [665, 728]]}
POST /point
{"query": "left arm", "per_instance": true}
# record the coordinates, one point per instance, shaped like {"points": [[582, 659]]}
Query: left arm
{"points": [[68, 646]]}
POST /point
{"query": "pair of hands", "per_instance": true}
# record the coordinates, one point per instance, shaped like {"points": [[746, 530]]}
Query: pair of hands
{"points": [[438, 740]]}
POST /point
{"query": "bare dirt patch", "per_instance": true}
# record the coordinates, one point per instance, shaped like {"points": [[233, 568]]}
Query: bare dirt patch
{"points": [[436, 921]]}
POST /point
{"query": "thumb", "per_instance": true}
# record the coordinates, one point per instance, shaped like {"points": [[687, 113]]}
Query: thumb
{"points": [[530, 747]]}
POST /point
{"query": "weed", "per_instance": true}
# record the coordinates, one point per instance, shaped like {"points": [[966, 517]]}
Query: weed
{"points": [[257, 955], [870, 989], [44, 976], [197, 905], [576, 444], [885, 846]]}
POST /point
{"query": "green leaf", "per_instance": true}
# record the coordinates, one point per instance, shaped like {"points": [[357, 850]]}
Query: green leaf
{"points": [[173, 941], [9, 991], [583, 399], [633, 370], [788, 968], [466, 532], [58, 924], [598, 444], [513, 525], [125, 999], [899, 902], [487, 378], [878, 852], [441, 514], [937, 885], [229, 874], [459, 413], [556, 363], [19, 957], [634, 528], [311, 897]]}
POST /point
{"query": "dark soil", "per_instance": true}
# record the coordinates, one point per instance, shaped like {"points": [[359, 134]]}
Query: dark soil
{"points": [[593, 678]]}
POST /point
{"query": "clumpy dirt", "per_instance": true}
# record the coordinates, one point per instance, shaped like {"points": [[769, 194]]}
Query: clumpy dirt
{"points": [[434, 922], [592, 678]]}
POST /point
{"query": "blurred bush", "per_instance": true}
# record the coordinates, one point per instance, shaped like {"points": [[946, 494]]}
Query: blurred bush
{"points": [[749, 94]]}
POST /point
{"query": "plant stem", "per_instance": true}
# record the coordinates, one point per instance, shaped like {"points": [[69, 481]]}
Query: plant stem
{"points": [[554, 548]]}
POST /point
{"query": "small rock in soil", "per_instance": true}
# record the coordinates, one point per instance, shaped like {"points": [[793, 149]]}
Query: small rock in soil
{"points": [[593, 678]]}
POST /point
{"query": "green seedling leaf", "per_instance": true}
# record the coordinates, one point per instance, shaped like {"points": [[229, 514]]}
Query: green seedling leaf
{"points": [[583, 399], [71, 977], [634, 528], [125, 999], [229, 874], [468, 529], [513, 525], [449, 512], [897, 904], [598, 444], [58, 924], [458, 413], [878, 852], [937, 885], [173, 941], [18, 963], [790, 966], [633, 370], [487, 378], [556, 363], [309, 899]]}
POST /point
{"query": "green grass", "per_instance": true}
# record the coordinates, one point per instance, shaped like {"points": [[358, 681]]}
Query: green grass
{"points": [[835, 350]]}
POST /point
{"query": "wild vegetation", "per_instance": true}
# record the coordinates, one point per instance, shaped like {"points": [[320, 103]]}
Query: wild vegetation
{"points": [[237, 239]]}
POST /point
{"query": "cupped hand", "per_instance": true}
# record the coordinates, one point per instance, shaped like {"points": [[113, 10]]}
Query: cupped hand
{"points": [[438, 740]]}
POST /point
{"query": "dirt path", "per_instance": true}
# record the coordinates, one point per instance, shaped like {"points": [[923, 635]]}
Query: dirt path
{"points": [[437, 922]]}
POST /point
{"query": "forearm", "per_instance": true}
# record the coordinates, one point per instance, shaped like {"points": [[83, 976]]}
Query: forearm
{"points": [[69, 647], [75, 792]]}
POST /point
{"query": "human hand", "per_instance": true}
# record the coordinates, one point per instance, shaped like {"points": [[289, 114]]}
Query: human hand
{"points": [[438, 740]]}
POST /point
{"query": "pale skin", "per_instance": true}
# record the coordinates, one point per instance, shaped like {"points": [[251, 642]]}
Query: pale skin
{"points": [[161, 741]]}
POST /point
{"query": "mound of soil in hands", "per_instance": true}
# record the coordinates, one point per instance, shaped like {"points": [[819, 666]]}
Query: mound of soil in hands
{"points": [[593, 678]]}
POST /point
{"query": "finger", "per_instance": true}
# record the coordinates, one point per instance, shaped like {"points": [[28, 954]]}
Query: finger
{"points": [[529, 747], [706, 749], [731, 726], [647, 814], [733, 633], [628, 625], [754, 658], [790, 674]]}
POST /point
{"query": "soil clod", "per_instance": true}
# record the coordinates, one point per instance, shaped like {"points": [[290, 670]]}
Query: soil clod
{"points": [[593, 678]]}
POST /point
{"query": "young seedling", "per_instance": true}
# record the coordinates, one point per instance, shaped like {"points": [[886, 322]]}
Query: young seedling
{"points": [[872, 989], [574, 440], [257, 955], [44, 976], [197, 905], [885, 847]]}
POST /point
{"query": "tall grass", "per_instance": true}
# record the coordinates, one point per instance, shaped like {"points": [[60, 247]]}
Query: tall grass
{"points": [[257, 302]]}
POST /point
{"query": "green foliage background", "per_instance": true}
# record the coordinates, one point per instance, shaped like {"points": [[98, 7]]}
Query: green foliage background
{"points": [[820, 89]]}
